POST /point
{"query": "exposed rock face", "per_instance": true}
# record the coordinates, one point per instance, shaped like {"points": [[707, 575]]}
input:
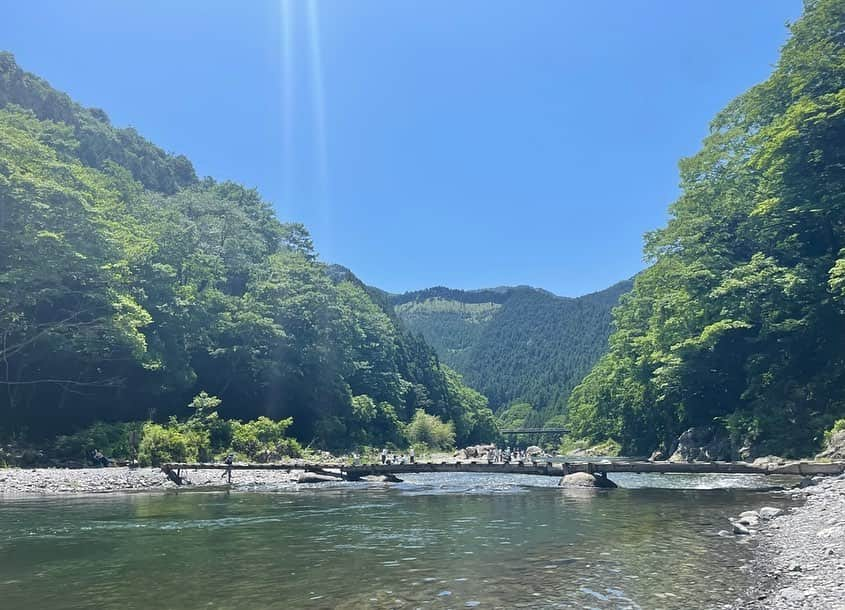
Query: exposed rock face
{"points": [[702, 443], [584, 479], [835, 449], [657, 456]]}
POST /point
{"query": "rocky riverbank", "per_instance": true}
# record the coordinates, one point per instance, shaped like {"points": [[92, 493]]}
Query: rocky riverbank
{"points": [[16, 481], [800, 563]]}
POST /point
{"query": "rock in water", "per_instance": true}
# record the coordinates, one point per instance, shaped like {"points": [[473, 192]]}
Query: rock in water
{"points": [[383, 478], [769, 512], [749, 520], [740, 529], [313, 477], [584, 479]]}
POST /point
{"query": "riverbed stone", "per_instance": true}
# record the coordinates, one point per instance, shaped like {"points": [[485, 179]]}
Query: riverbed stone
{"points": [[584, 479], [313, 477], [769, 512], [740, 529], [749, 521]]}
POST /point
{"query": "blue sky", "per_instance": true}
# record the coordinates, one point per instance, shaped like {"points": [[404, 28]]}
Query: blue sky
{"points": [[466, 143]]}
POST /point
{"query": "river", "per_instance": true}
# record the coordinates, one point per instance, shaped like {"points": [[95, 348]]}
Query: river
{"points": [[434, 541]]}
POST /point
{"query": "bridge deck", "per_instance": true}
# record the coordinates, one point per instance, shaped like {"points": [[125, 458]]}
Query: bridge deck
{"points": [[556, 469]]}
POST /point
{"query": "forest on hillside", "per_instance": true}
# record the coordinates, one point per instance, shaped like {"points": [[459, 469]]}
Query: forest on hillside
{"points": [[739, 322], [518, 346], [128, 286]]}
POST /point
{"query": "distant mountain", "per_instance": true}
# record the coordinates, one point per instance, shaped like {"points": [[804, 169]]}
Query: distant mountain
{"points": [[514, 344]]}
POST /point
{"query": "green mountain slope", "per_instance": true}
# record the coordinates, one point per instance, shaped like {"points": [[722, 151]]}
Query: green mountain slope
{"points": [[516, 344], [127, 286], [740, 321]]}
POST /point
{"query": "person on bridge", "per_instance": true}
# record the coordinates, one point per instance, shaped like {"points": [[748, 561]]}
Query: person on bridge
{"points": [[412, 455], [383, 456]]}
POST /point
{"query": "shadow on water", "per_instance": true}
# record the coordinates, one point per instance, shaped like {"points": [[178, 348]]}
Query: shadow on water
{"points": [[434, 541]]}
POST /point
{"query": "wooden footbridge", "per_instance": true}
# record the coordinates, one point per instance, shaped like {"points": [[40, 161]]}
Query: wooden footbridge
{"points": [[352, 472]]}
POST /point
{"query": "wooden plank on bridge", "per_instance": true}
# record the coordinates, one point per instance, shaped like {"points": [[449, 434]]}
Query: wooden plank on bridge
{"points": [[542, 468]]}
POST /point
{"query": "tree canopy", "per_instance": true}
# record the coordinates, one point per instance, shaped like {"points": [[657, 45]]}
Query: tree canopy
{"points": [[127, 286], [515, 344], [740, 320]]}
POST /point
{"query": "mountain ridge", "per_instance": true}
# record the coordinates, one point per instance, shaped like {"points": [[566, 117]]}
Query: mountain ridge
{"points": [[514, 343]]}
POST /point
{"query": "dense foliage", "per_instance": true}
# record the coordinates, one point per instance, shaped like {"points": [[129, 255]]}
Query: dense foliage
{"points": [[205, 436], [430, 431], [515, 345], [741, 318], [127, 285]]}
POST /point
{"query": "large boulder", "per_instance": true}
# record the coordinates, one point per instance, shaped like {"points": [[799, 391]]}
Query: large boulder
{"points": [[584, 479], [533, 450], [769, 460], [835, 449], [314, 477], [702, 444], [474, 451]]}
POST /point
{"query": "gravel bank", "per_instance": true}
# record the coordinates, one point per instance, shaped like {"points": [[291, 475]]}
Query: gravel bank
{"points": [[800, 563], [98, 480]]}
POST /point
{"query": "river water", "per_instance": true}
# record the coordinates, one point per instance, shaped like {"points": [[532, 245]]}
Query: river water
{"points": [[434, 541]]}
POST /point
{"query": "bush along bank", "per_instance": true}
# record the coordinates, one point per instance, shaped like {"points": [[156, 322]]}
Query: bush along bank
{"points": [[204, 436]]}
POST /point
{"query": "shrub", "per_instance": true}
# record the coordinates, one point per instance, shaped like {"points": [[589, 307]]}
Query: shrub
{"points": [[374, 424], [606, 448], [113, 439], [838, 425], [162, 444], [264, 435], [205, 429], [431, 431]]}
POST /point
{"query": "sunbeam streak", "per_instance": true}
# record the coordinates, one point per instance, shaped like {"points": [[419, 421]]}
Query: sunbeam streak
{"points": [[323, 191]]}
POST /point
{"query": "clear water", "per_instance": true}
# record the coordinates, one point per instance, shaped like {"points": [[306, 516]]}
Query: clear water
{"points": [[435, 541]]}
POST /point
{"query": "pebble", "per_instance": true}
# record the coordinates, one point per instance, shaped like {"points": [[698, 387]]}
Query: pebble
{"points": [[798, 557], [46, 481]]}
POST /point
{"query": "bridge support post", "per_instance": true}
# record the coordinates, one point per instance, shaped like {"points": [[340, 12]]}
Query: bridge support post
{"points": [[603, 481], [173, 476]]}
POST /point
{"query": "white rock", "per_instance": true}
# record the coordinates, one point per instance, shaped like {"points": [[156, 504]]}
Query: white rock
{"points": [[740, 529], [750, 518], [837, 531], [791, 594], [769, 512]]}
